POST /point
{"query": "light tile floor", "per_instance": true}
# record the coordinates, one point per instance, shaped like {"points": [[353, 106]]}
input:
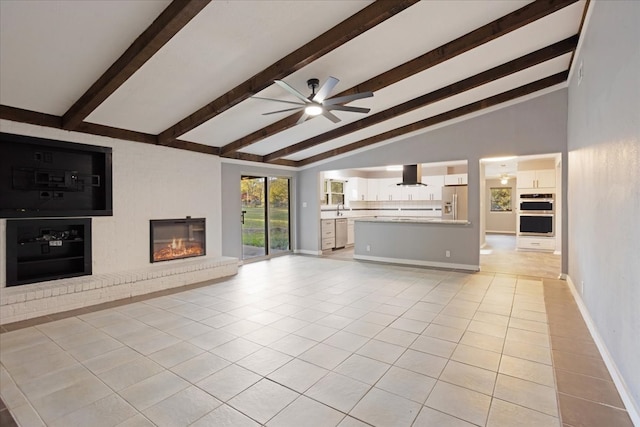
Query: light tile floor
{"points": [[304, 341]]}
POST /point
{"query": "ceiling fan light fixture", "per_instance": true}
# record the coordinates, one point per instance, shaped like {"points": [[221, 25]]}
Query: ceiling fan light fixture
{"points": [[313, 110]]}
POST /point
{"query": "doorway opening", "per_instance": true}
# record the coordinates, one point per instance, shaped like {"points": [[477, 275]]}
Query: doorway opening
{"points": [[513, 192], [265, 217]]}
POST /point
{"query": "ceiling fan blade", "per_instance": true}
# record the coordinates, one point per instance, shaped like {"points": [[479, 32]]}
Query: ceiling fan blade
{"points": [[326, 89], [302, 118], [292, 91], [347, 108], [347, 98], [283, 111], [330, 116], [277, 100]]}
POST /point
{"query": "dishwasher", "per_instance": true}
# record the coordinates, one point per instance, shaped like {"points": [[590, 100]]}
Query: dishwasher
{"points": [[341, 232]]}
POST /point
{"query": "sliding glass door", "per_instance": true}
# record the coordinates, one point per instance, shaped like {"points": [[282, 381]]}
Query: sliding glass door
{"points": [[278, 214], [265, 216]]}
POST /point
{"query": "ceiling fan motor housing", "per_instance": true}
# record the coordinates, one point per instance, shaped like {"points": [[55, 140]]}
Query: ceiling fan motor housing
{"points": [[313, 84]]}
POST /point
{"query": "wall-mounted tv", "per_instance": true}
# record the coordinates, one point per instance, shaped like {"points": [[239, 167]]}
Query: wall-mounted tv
{"points": [[42, 177]]}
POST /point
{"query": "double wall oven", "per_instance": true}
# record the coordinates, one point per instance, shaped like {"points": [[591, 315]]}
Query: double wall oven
{"points": [[536, 214]]}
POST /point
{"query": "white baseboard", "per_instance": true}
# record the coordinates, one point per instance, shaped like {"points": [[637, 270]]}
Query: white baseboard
{"points": [[307, 252], [418, 263], [618, 380]]}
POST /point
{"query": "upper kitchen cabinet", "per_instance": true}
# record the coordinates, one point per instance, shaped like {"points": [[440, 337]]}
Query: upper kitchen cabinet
{"points": [[413, 193], [433, 190], [388, 189], [456, 179], [356, 189], [542, 178]]}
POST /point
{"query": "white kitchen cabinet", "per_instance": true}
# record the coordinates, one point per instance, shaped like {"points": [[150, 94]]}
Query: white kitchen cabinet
{"points": [[408, 193], [372, 189], [536, 243], [357, 189], [413, 193], [543, 178], [433, 190], [328, 233], [384, 189], [456, 179], [351, 235]]}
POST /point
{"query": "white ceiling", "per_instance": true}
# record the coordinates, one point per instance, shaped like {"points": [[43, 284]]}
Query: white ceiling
{"points": [[51, 51]]}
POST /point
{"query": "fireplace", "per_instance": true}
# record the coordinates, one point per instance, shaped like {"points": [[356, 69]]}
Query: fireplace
{"points": [[177, 238]]}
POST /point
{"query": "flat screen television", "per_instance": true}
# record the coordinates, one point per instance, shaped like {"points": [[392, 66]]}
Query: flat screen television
{"points": [[48, 178]]}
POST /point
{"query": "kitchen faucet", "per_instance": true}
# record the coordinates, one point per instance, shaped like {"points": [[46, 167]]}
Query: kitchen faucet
{"points": [[338, 213]]}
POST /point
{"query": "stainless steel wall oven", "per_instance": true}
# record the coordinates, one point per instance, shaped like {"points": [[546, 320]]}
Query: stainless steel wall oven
{"points": [[536, 225], [537, 203], [536, 215]]}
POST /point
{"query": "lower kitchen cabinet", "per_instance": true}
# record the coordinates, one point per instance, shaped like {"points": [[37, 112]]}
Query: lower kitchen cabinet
{"points": [[536, 243], [351, 235], [328, 230]]}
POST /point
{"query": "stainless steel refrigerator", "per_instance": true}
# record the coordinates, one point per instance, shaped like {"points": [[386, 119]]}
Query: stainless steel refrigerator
{"points": [[455, 204]]}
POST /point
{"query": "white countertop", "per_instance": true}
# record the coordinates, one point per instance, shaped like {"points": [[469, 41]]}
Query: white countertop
{"points": [[412, 220]]}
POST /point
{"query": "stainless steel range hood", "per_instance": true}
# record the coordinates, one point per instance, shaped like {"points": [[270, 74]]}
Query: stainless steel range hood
{"points": [[412, 176]]}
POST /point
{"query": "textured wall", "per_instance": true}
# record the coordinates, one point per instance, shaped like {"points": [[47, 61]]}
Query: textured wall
{"points": [[149, 182], [604, 181]]}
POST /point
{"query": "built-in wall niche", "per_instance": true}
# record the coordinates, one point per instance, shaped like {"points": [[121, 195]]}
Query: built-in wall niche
{"points": [[47, 178], [172, 239], [47, 249]]}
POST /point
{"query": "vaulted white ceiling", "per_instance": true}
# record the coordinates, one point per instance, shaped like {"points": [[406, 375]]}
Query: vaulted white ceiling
{"points": [[52, 51]]}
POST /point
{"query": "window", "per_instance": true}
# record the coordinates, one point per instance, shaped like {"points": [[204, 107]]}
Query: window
{"points": [[500, 199], [333, 192]]}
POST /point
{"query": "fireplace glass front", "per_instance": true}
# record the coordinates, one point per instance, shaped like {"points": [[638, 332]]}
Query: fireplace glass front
{"points": [[177, 238]]}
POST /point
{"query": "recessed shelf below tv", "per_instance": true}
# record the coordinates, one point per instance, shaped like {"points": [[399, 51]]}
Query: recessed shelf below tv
{"points": [[47, 249]]}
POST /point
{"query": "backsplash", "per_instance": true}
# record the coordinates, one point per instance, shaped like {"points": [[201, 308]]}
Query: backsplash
{"points": [[414, 208]]}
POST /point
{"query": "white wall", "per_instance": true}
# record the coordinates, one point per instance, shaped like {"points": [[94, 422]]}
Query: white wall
{"points": [[500, 222], [149, 182], [604, 182], [534, 126]]}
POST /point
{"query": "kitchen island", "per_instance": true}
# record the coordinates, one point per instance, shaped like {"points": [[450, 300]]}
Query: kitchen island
{"points": [[419, 241]]}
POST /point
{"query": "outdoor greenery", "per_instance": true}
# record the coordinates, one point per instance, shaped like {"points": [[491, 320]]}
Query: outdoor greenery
{"points": [[500, 199], [253, 203], [252, 190], [253, 228]]}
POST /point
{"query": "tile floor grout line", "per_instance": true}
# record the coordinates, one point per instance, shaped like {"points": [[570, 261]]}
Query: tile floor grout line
{"points": [[396, 288]]}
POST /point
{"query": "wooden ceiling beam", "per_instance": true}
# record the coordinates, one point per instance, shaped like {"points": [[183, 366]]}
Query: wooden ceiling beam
{"points": [[51, 121], [501, 26], [440, 118], [166, 25], [348, 29], [32, 117], [534, 58]]}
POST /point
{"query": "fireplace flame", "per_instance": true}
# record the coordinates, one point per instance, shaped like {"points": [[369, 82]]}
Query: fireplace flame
{"points": [[178, 248]]}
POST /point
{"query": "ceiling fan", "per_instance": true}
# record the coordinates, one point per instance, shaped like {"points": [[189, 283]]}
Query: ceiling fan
{"points": [[317, 103]]}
